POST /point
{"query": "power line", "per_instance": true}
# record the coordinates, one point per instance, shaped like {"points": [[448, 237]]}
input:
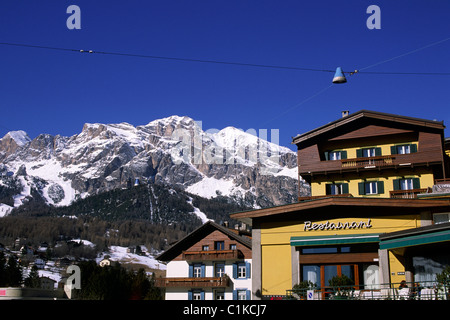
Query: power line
{"points": [[125, 54], [167, 58]]}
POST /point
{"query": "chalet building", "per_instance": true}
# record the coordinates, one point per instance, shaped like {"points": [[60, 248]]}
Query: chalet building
{"points": [[211, 263], [373, 154], [379, 211]]}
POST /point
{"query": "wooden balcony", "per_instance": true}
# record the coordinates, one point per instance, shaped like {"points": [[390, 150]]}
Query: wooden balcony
{"points": [[407, 194], [368, 162], [205, 282], [212, 255]]}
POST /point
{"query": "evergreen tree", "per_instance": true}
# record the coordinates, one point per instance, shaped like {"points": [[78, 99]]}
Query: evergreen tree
{"points": [[33, 280], [13, 273]]}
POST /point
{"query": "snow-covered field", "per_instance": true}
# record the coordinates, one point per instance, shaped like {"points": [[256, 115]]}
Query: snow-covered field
{"points": [[116, 253], [121, 255]]}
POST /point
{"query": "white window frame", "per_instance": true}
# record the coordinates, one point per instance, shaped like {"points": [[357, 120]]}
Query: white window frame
{"points": [[371, 187], [404, 149], [368, 152], [197, 271], [242, 294], [406, 184], [242, 271], [196, 295], [334, 155]]}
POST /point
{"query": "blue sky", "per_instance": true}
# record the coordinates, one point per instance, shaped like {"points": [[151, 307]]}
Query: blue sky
{"points": [[56, 92]]}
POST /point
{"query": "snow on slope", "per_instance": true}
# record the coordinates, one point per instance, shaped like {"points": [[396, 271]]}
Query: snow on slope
{"points": [[120, 254]]}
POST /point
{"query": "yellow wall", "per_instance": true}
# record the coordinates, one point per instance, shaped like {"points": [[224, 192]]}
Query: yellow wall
{"points": [[319, 189], [276, 250], [385, 148]]}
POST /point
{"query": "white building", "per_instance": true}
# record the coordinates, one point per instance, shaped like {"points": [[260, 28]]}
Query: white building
{"points": [[211, 263]]}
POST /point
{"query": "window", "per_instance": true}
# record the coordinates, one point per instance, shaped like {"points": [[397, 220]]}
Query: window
{"points": [[406, 184], [335, 155], [404, 149], [241, 270], [233, 246], [441, 218], [241, 294], [197, 271], [219, 245], [196, 295], [336, 188], [219, 269], [368, 152], [205, 248], [219, 295], [371, 187]]}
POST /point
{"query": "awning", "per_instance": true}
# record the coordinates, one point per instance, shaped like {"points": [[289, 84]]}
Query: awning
{"points": [[421, 239], [334, 240]]}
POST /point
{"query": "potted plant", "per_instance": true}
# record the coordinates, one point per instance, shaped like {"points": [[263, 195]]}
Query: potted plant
{"points": [[300, 289], [341, 286]]}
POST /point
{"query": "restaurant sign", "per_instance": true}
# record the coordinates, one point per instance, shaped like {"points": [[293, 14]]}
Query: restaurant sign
{"points": [[310, 226]]}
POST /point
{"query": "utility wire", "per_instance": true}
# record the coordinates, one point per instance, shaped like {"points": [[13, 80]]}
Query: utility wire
{"points": [[166, 58], [239, 63]]}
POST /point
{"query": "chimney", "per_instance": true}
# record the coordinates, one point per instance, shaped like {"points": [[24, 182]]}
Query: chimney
{"points": [[345, 113]]}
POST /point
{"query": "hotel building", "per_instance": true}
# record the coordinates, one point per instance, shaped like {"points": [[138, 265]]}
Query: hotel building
{"points": [[372, 214]]}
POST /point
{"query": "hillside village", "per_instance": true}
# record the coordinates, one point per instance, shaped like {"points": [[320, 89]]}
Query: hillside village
{"points": [[379, 180]]}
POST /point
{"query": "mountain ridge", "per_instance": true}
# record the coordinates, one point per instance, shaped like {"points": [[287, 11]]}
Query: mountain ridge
{"points": [[174, 150]]}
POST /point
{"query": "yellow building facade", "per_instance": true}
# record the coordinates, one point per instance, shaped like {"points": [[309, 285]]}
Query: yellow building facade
{"points": [[366, 171]]}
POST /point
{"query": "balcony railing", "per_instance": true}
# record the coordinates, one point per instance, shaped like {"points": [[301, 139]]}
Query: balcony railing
{"points": [[205, 282], [211, 255], [368, 162], [407, 194]]}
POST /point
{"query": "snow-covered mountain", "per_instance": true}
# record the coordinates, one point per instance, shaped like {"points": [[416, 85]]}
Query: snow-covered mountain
{"points": [[174, 151]]}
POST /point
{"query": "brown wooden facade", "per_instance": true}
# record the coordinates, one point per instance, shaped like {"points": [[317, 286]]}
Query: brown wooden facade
{"points": [[365, 129]]}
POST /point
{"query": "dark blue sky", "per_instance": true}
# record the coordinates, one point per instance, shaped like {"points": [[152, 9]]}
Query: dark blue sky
{"points": [[56, 92]]}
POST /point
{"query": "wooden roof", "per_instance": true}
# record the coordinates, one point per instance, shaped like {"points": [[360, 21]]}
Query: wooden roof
{"points": [[199, 234], [380, 205], [368, 114]]}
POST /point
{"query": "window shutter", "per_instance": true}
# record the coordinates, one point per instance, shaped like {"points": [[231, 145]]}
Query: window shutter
{"points": [[345, 188], [327, 157], [343, 154], [235, 272], [328, 188], [202, 295], [203, 271], [191, 271], [247, 295], [416, 183], [189, 295], [377, 152], [361, 188], [413, 147], [396, 184], [234, 294], [359, 153], [248, 270], [380, 187], [393, 149]]}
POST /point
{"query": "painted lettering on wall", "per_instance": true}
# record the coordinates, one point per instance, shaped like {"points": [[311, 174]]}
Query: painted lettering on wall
{"points": [[309, 226]]}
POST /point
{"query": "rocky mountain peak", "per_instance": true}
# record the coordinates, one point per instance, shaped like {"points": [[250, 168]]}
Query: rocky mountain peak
{"points": [[172, 151]]}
